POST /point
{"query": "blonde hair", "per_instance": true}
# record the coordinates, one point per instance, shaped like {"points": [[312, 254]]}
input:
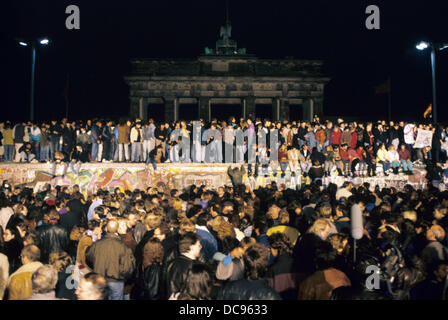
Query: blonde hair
{"points": [[319, 225], [186, 225], [410, 215], [153, 221], [225, 229], [438, 232], [60, 260]]}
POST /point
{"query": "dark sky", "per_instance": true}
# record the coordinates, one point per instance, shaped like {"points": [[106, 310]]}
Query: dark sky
{"points": [[112, 32]]}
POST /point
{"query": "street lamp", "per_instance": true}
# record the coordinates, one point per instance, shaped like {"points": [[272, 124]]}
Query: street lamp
{"points": [[33, 43], [434, 48]]}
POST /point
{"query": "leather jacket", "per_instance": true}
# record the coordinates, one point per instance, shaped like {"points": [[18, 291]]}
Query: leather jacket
{"points": [[52, 237]]}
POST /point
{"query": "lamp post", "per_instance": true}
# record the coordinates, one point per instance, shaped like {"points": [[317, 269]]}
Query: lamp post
{"points": [[434, 48], [33, 44]]}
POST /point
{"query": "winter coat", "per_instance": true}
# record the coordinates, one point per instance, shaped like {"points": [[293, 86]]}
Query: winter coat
{"points": [[320, 285], [111, 258], [346, 137], [52, 237], [281, 278], [7, 137], [236, 175], [336, 138], [148, 285], [44, 296], [4, 273], [176, 274], [135, 132], [123, 134], [382, 155], [20, 284], [304, 252], [19, 133], [248, 290]]}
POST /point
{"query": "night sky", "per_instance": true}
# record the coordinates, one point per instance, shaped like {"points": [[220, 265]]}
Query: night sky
{"points": [[96, 57]]}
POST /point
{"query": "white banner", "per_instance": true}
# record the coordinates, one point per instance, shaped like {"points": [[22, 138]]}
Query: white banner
{"points": [[424, 138]]}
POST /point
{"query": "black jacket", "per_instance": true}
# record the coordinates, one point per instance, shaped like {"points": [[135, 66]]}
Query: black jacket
{"points": [[176, 276], [148, 284], [52, 237], [69, 219], [81, 156], [78, 210], [248, 290], [304, 252]]}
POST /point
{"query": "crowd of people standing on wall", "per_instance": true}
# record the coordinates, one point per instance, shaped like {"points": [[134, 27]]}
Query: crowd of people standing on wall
{"points": [[232, 243], [304, 148]]}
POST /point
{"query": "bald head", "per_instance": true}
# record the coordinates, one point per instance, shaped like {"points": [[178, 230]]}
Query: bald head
{"points": [[112, 226]]}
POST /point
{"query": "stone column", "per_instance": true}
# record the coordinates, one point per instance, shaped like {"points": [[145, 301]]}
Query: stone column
{"points": [[250, 107], [308, 109], [134, 107], [169, 108], [318, 107], [143, 108], [276, 109], [284, 109], [176, 110], [204, 108]]}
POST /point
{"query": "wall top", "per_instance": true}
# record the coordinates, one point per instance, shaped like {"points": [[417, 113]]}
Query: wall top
{"points": [[227, 66]]}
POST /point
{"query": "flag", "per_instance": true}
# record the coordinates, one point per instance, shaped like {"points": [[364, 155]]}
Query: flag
{"points": [[383, 87], [428, 111]]}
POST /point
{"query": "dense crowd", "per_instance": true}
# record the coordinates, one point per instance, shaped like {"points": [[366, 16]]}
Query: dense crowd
{"points": [[233, 243], [304, 148]]}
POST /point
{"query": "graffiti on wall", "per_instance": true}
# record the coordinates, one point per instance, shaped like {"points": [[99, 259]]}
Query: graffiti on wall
{"points": [[91, 180]]}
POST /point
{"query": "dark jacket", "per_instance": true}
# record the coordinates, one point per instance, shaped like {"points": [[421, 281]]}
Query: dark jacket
{"points": [[19, 133], [304, 252], [81, 156], [69, 219], [248, 290], [52, 237], [78, 212], [236, 175], [111, 258], [282, 279], [148, 285], [176, 274]]}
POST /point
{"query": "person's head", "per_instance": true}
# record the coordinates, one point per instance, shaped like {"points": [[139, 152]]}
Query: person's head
{"points": [[186, 225], [256, 259], [280, 244], [44, 280], [435, 233], [189, 244], [60, 260], [131, 219], [321, 228], [325, 211], [273, 212], [439, 270], [325, 256], [112, 226], [92, 287], [199, 283], [30, 253], [152, 252], [339, 242]]}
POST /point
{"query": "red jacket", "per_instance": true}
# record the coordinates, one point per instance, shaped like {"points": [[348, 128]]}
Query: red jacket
{"points": [[404, 155], [336, 138], [354, 140], [354, 153], [344, 155]]}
